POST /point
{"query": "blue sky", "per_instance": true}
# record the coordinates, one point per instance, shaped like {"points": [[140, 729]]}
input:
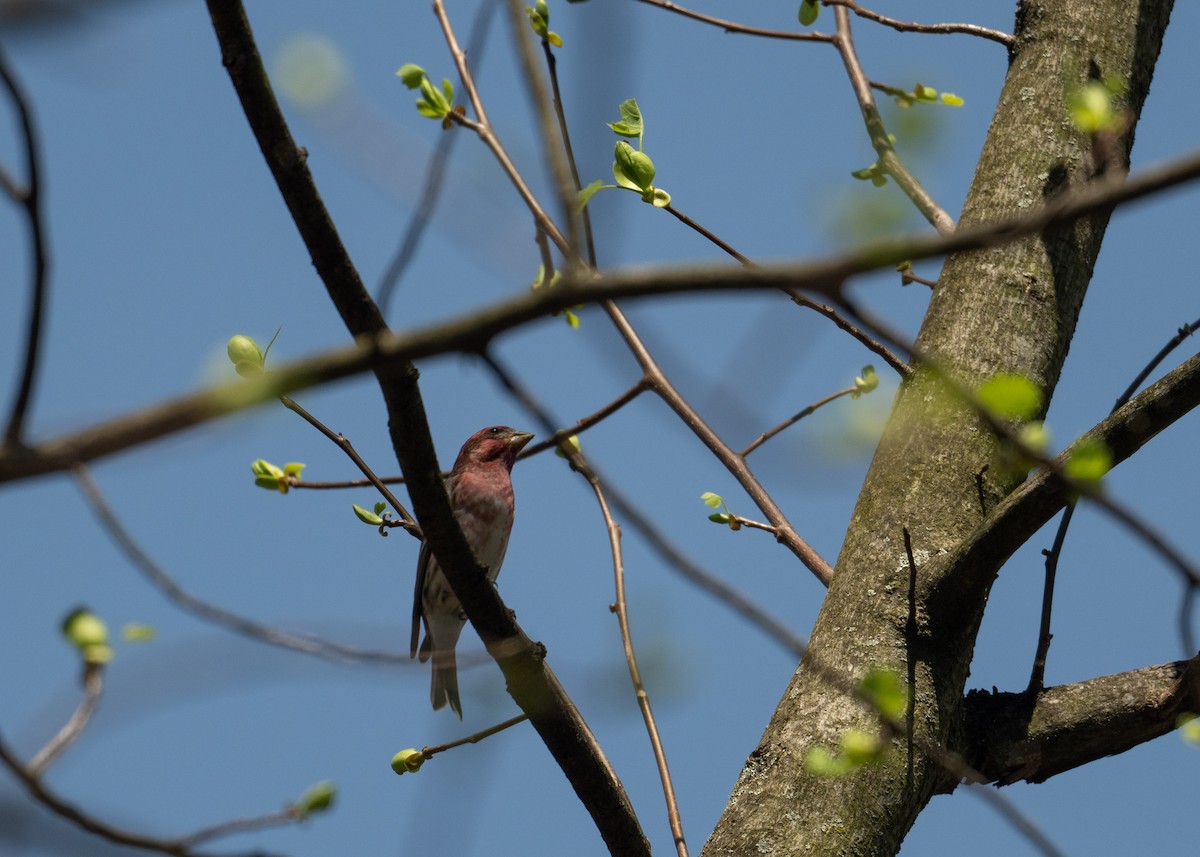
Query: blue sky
{"points": [[168, 236]]}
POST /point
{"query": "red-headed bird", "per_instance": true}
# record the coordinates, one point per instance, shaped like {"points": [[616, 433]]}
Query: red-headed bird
{"points": [[481, 495]]}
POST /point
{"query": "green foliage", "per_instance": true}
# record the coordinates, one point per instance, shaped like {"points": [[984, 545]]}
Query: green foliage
{"points": [[857, 749], [1188, 725], [408, 761], [876, 174], [919, 94], [248, 359], [632, 168], [809, 10], [571, 443], [542, 282], [866, 382], [716, 501], [375, 518], [137, 632], [316, 798], [539, 20], [630, 123], [885, 689], [1010, 396], [1093, 107], [1089, 461], [87, 632], [433, 103], [272, 477]]}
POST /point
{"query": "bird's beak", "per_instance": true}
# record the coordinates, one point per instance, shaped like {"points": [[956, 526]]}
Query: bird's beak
{"points": [[518, 439]]}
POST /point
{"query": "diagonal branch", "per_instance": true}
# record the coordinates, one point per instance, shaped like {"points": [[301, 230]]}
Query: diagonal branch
{"points": [[1011, 737], [472, 332]]}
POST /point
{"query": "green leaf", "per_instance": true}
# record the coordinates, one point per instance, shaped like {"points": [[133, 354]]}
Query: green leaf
{"points": [[316, 798], [366, 517], [1089, 461], [1189, 728], [1036, 436], [720, 518], [809, 10], [293, 468], [925, 93], [585, 194], [408, 761], [410, 75], [571, 442], [866, 382], [711, 500], [448, 91], [860, 748], [246, 356], [554, 39], [657, 197], [951, 100], [84, 628], [137, 632], [379, 507], [820, 762], [886, 691], [1010, 396], [1091, 108], [632, 169], [630, 124]]}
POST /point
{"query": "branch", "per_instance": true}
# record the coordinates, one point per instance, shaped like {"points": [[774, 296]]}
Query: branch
{"points": [[1011, 737], [733, 27], [906, 181], [161, 580], [1023, 512], [471, 332], [30, 198], [93, 686], [49, 799], [1005, 39]]}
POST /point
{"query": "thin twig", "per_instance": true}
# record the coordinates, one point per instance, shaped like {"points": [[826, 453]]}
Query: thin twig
{"points": [[733, 27], [50, 799], [430, 752], [409, 523], [635, 675], [734, 463], [434, 174], [154, 573], [673, 556], [886, 153], [687, 221], [549, 126], [482, 127], [30, 199], [471, 333], [93, 687], [288, 815], [872, 344], [792, 420], [1005, 39]]}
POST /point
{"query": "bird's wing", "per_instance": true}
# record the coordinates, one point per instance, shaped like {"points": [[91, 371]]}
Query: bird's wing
{"points": [[423, 561]]}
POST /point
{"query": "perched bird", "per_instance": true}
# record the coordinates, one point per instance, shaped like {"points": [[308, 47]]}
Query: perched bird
{"points": [[481, 495]]}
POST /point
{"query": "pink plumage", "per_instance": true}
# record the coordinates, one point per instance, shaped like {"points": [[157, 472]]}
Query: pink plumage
{"points": [[481, 495]]}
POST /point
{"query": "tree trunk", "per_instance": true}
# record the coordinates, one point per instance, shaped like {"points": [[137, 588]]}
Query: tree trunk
{"points": [[1011, 309]]}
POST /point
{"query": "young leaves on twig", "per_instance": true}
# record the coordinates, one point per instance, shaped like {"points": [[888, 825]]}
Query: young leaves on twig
{"points": [[433, 103], [632, 168]]}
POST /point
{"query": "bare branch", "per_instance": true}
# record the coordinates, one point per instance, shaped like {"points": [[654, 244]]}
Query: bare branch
{"points": [[161, 580], [50, 799], [1014, 736], [93, 687], [30, 199], [732, 27], [1005, 39]]}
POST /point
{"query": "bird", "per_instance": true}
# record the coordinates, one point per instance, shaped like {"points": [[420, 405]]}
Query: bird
{"points": [[481, 494]]}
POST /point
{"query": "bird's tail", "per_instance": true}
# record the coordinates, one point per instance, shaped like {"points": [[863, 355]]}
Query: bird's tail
{"points": [[445, 682]]}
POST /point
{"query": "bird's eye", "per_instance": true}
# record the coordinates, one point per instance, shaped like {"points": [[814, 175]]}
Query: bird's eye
{"points": [[494, 430]]}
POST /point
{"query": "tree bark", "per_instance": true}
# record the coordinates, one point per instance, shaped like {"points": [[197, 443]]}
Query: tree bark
{"points": [[937, 470]]}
